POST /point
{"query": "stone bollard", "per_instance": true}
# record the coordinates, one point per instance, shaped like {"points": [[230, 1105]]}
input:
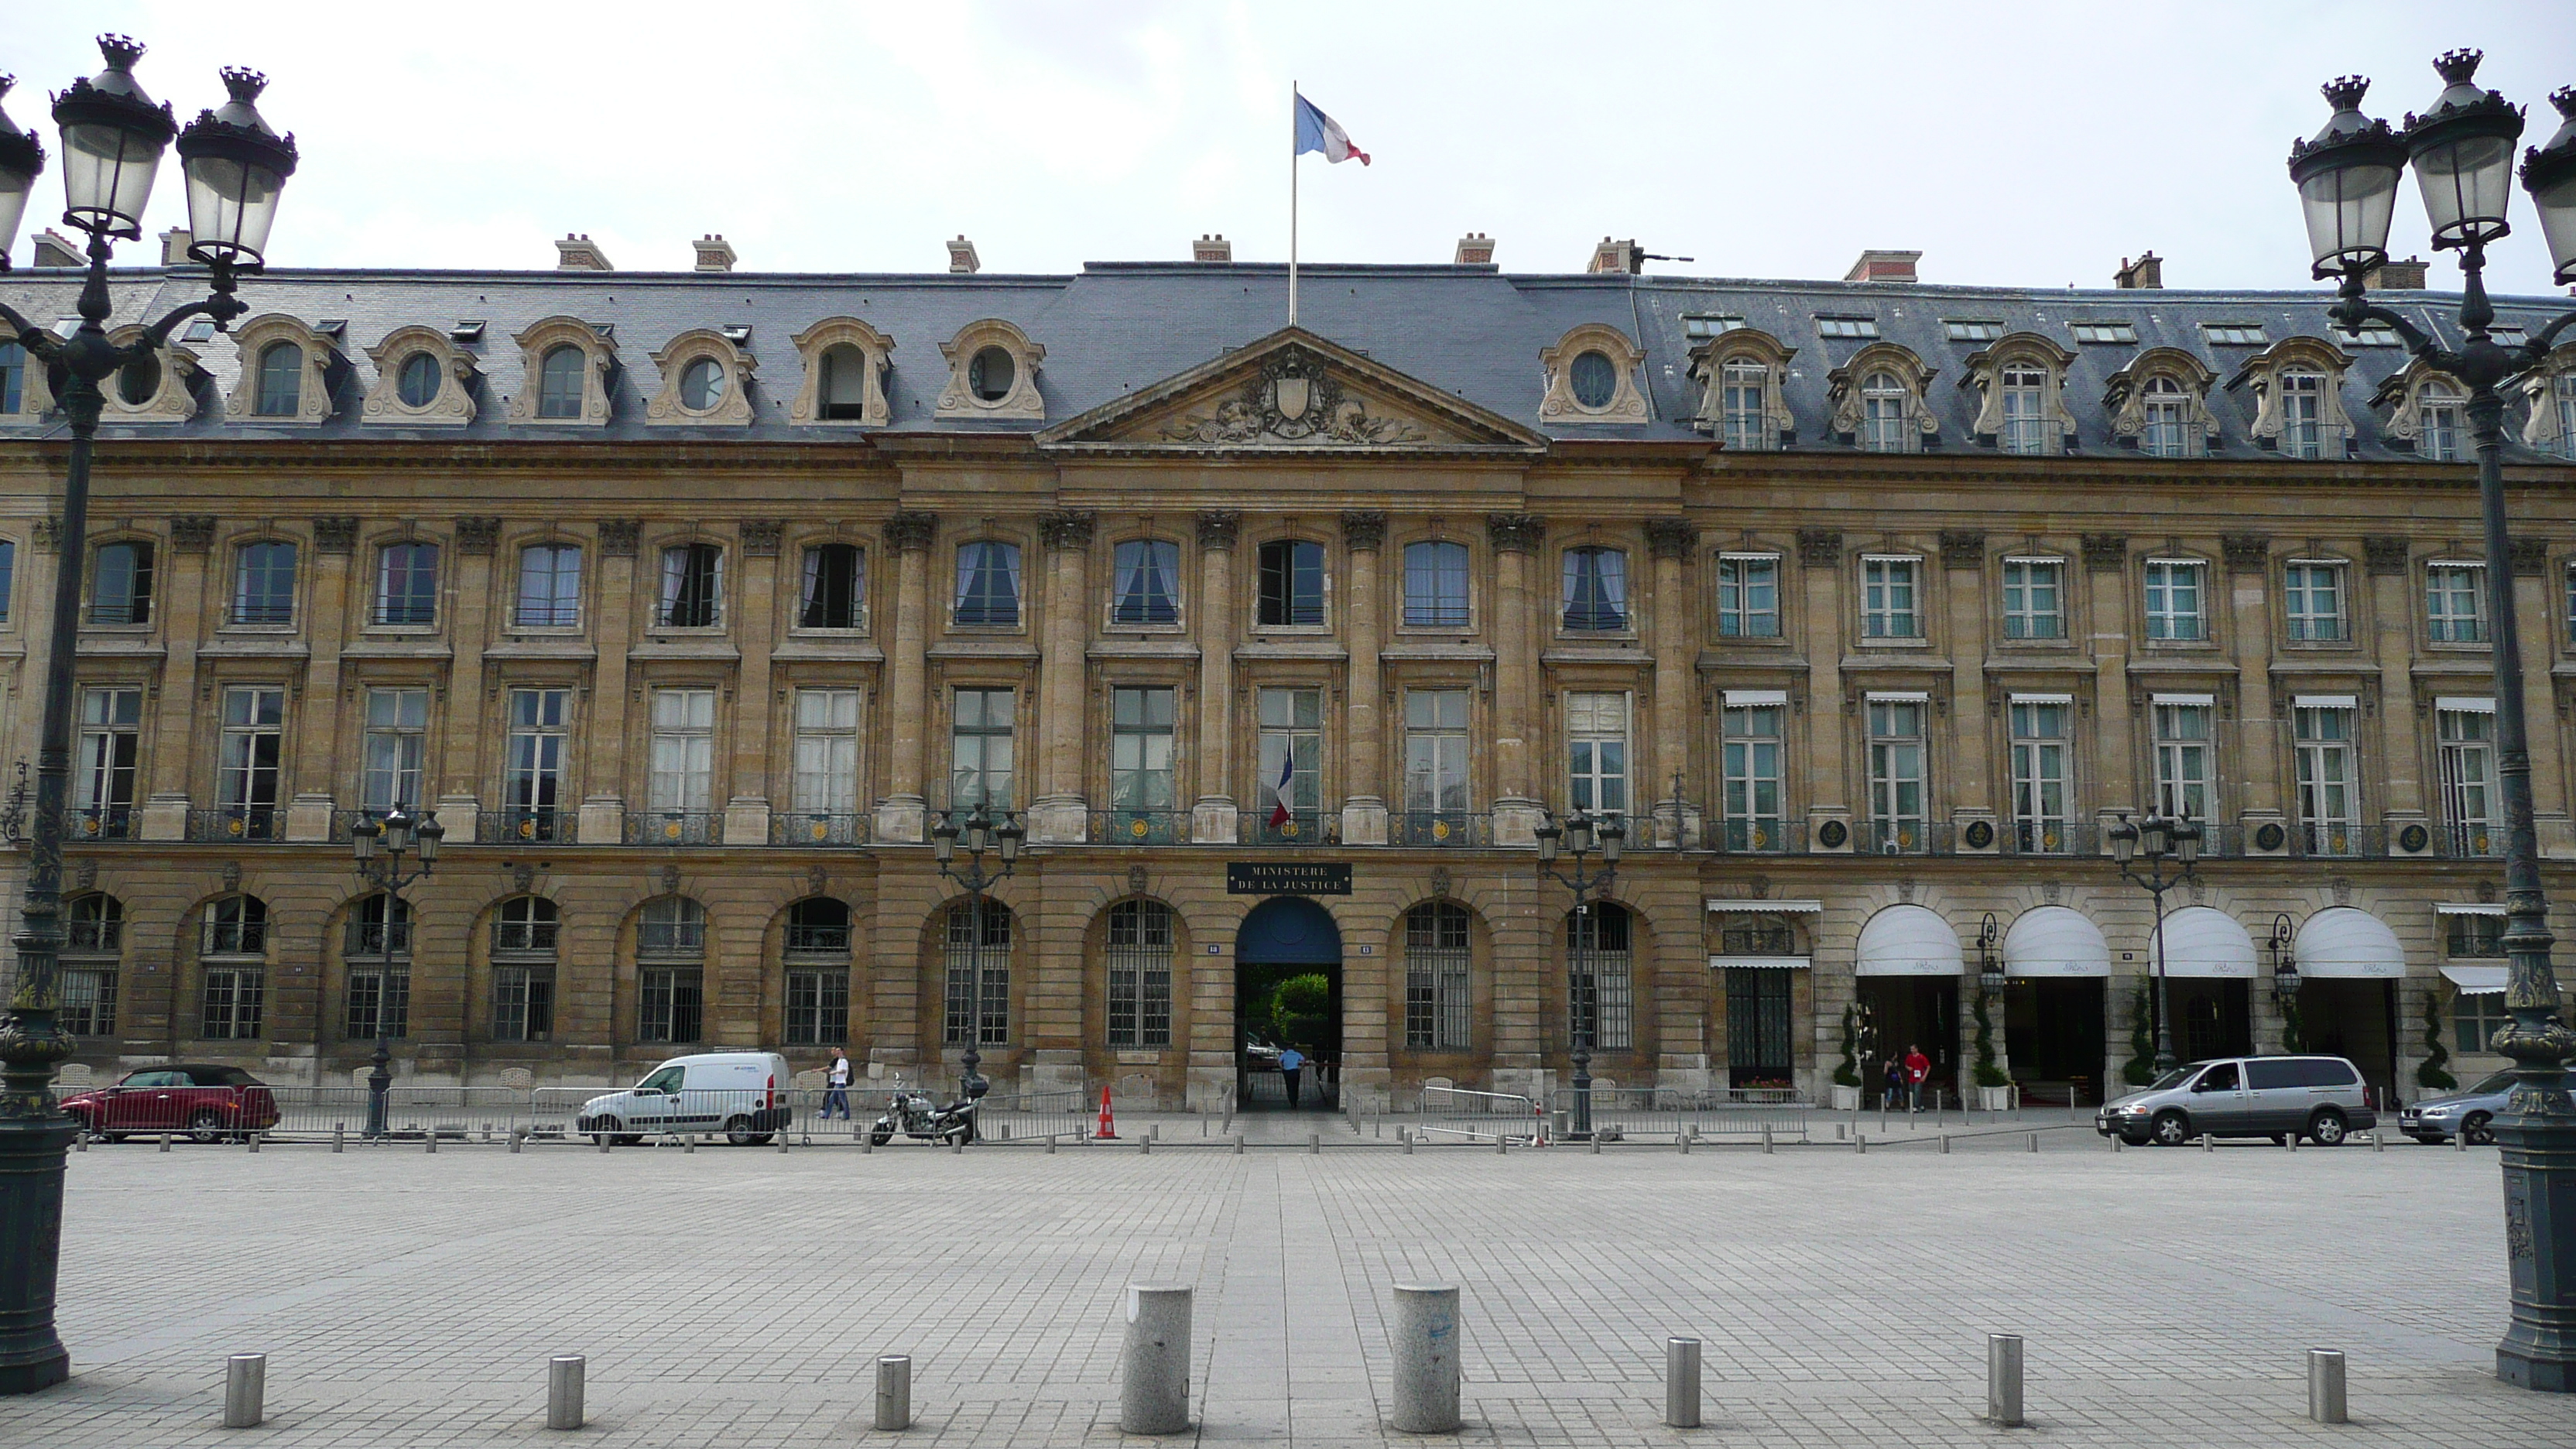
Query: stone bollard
{"points": [[1686, 1142], [1945, 1144], [2034, 1142], [2459, 1141], [429, 1140], [2118, 1142], [1405, 1138], [2290, 1141], [1766, 1139], [2378, 1141], [868, 1145], [1502, 1146], [165, 1141], [894, 1391], [1154, 1366], [1145, 1145], [564, 1374], [1314, 1143], [1426, 1359], [2325, 1386], [518, 1139], [1842, 1131], [1050, 1144], [80, 1141], [339, 1135], [689, 1145], [1860, 1142], [2208, 1143], [956, 1144], [2003, 1380], [1681, 1383], [603, 1143], [1238, 1144], [250, 1142], [245, 1390], [782, 1139], [1596, 1144]]}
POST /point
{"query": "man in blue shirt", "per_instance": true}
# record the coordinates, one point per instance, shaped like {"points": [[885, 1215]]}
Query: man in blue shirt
{"points": [[1291, 1062]]}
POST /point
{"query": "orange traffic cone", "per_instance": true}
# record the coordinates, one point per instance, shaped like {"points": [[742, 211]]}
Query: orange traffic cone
{"points": [[1108, 1129]]}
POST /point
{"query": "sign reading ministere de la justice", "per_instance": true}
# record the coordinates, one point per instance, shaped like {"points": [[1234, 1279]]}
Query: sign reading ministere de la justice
{"points": [[1272, 878]]}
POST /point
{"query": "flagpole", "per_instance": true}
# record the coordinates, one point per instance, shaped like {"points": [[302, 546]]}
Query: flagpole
{"points": [[1292, 203]]}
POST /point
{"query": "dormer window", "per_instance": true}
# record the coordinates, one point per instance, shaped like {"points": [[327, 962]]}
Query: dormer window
{"points": [[1746, 386], [2298, 386], [1591, 377], [2165, 406], [842, 396], [2024, 389], [702, 385], [567, 361], [14, 391], [992, 372], [705, 374], [138, 380], [1740, 372], [844, 360], [285, 372], [1882, 400], [281, 375], [559, 383], [417, 383], [2303, 414], [2159, 404], [157, 387], [422, 380], [1877, 400], [2018, 381], [2440, 434]]}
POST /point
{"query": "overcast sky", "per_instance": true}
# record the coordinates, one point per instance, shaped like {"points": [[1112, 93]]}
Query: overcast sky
{"points": [[2018, 144]]}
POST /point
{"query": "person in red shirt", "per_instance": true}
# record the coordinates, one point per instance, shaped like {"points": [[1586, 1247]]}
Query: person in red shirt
{"points": [[1917, 1067]]}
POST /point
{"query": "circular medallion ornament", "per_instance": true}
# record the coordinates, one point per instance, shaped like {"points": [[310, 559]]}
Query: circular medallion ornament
{"points": [[2269, 836], [1288, 828], [821, 829], [2413, 839], [1440, 830], [1981, 834], [1139, 828], [527, 830], [1832, 834]]}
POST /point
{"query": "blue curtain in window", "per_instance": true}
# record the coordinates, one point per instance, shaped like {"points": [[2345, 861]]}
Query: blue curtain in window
{"points": [[1147, 573], [1596, 588], [988, 583]]}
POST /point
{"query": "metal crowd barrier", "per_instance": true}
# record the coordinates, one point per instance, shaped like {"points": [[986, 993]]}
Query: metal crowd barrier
{"points": [[1481, 1116], [1652, 1112]]}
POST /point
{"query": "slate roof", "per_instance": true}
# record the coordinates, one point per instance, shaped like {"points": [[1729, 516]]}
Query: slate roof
{"points": [[1117, 327]]}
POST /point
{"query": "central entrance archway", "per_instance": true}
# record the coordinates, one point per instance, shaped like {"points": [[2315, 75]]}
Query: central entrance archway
{"points": [[1283, 945]]}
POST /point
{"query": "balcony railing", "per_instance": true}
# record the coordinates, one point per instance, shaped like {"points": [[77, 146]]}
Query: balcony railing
{"points": [[1901, 837], [541, 825], [1139, 827], [2468, 840], [1302, 827], [1443, 828], [2047, 837], [375, 938], [234, 824], [819, 940], [101, 822], [1761, 835], [818, 827], [674, 827], [2336, 840]]}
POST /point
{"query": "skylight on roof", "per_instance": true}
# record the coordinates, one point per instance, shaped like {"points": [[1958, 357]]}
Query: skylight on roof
{"points": [[2234, 334], [1828, 326], [737, 333], [1709, 324], [2507, 334], [2372, 334], [2114, 332], [467, 329], [199, 329], [1964, 329]]}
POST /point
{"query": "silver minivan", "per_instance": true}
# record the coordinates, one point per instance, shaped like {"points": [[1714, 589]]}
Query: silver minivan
{"points": [[2319, 1098]]}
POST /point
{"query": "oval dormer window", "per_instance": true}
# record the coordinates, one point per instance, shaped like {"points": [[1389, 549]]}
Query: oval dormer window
{"points": [[417, 384], [702, 385], [1595, 379], [990, 372]]}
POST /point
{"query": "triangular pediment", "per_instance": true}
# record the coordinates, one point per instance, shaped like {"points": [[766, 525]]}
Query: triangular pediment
{"points": [[1291, 392]]}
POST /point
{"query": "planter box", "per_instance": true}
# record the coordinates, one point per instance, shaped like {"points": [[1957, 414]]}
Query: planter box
{"points": [[1846, 1099], [1993, 1099]]}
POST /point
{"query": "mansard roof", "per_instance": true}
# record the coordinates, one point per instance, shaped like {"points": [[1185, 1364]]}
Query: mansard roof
{"points": [[1117, 332]]}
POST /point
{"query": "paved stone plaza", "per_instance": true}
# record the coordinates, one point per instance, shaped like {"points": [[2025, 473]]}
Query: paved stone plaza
{"points": [[738, 1296]]}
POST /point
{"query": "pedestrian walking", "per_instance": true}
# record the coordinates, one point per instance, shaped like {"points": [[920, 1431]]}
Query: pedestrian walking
{"points": [[1291, 1063], [1892, 1084], [836, 1086], [1917, 1068]]}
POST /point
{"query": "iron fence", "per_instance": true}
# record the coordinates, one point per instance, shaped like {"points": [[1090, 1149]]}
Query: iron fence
{"points": [[1440, 828], [1619, 1113], [1482, 1116], [674, 827], [1302, 827], [235, 824], [100, 822], [543, 825], [1139, 827], [818, 827], [1760, 835]]}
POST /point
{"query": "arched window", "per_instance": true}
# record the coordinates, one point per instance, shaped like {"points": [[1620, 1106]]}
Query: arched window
{"points": [[1140, 974], [2025, 404], [1594, 378], [281, 380], [94, 934], [1435, 585], [1745, 405], [1596, 589], [969, 947], [1438, 961], [2168, 414], [1600, 1004], [523, 969], [843, 394], [13, 378], [2303, 419], [671, 958], [378, 955], [1882, 422], [233, 960], [818, 972], [2441, 435], [990, 372], [264, 583], [139, 381], [559, 382], [1148, 582]]}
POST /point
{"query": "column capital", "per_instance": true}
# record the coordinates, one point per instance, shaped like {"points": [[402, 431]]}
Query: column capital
{"points": [[2246, 553], [760, 536], [192, 532], [1219, 527], [477, 535], [910, 531], [1515, 532], [1671, 537], [1820, 548], [2106, 552], [1963, 548], [2384, 554], [617, 536], [1069, 528], [1364, 528], [335, 535], [2530, 557]]}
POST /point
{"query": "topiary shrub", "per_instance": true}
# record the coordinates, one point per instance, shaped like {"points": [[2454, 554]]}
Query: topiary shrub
{"points": [[2140, 1069], [1987, 1073], [2429, 1073], [1847, 1071]]}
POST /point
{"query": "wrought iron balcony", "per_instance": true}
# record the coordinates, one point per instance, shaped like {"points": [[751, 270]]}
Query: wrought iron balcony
{"points": [[818, 828], [1756, 835], [1441, 828], [100, 822], [1139, 827], [674, 827], [1302, 827], [541, 825], [236, 824]]}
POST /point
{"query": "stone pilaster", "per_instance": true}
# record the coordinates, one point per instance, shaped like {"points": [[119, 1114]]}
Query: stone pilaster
{"points": [[2536, 614], [1058, 814], [1966, 605], [2259, 734], [1667, 752], [602, 759], [2399, 770], [185, 619], [1823, 572], [899, 812], [2111, 607], [754, 619], [1363, 808], [1516, 538], [1213, 819]]}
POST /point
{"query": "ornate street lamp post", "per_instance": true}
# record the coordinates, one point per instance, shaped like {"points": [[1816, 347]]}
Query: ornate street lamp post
{"points": [[2348, 176], [2161, 842], [113, 137], [979, 834], [2285, 980], [379, 846], [1582, 835]]}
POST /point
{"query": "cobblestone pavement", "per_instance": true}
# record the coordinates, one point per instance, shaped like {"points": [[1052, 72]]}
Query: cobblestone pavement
{"points": [[738, 1296]]}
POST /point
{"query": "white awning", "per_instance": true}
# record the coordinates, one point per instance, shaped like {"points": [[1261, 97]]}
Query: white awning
{"points": [[1755, 698], [2342, 943], [2465, 704], [2203, 700], [2325, 701], [2207, 944], [1758, 963], [1907, 941], [2019, 698], [2055, 941], [2476, 980], [1899, 696], [1740, 906]]}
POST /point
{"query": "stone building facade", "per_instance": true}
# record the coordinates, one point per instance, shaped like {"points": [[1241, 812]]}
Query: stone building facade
{"points": [[1867, 605]]}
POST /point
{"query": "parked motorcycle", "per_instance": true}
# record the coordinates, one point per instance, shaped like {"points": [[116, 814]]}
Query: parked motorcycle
{"points": [[912, 1113]]}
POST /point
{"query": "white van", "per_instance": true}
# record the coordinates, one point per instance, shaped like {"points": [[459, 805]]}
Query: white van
{"points": [[741, 1094]]}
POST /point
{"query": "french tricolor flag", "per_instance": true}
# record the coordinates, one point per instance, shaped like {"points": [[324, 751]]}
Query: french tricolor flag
{"points": [[1280, 814], [1319, 132]]}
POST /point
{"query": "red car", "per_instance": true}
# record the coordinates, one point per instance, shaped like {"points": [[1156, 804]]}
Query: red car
{"points": [[208, 1103]]}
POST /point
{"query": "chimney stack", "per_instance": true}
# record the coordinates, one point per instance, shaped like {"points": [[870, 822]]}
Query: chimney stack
{"points": [[2395, 276], [715, 254], [1616, 256], [1884, 266], [174, 246], [1475, 249], [577, 253], [53, 249], [2147, 273], [961, 256], [1212, 248]]}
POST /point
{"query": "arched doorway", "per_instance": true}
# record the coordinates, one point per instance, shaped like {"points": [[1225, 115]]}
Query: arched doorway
{"points": [[1280, 948]]}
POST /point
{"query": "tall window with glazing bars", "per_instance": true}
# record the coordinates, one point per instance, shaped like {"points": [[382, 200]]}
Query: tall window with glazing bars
{"points": [[1438, 963], [1140, 975]]}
